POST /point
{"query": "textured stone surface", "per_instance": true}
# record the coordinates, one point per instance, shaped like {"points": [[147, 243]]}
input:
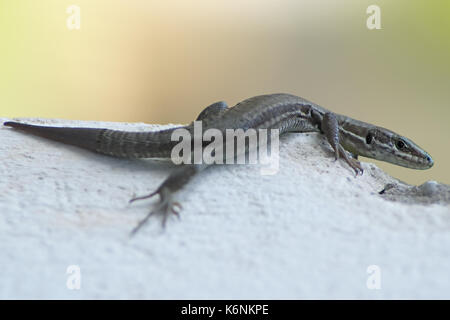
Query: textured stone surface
{"points": [[310, 231]]}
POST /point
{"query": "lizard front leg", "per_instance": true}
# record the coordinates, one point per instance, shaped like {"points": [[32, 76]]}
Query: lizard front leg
{"points": [[330, 128]]}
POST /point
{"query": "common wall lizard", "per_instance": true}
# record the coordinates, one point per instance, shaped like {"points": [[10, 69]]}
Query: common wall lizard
{"points": [[348, 138]]}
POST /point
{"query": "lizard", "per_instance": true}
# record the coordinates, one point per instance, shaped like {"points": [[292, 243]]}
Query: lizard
{"points": [[348, 138]]}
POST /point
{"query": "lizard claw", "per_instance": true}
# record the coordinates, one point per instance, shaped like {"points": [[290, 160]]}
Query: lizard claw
{"points": [[353, 163], [165, 206], [176, 208], [356, 166], [143, 197]]}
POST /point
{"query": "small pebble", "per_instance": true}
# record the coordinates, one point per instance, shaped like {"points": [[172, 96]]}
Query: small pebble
{"points": [[429, 188]]}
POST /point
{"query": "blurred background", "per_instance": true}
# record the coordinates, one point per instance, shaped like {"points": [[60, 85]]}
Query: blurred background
{"points": [[164, 61]]}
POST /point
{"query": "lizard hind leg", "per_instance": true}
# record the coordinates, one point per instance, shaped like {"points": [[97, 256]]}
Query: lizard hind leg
{"points": [[165, 207], [330, 128], [166, 191]]}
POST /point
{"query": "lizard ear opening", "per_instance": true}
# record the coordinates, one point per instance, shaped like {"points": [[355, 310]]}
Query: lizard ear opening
{"points": [[369, 138]]}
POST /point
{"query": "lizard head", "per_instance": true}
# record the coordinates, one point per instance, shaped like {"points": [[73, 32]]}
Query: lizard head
{"points": [[385, 145]]}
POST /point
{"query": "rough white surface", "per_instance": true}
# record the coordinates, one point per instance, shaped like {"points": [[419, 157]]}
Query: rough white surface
{"points": [[311, 231]]}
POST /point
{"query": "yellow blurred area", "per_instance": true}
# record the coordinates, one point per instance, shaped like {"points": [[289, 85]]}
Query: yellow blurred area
{"points": [[163, 61]]}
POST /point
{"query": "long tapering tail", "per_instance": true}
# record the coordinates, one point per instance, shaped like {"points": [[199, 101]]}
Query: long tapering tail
{"points": [[111, 142], [86, 138]]}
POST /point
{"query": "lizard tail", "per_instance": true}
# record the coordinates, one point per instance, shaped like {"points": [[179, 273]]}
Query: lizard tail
{"points": [[115, 143], [86, 138]]}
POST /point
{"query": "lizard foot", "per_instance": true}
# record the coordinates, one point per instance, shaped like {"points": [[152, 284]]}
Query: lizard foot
{"points": [[165, 207], [356, 166], [352, 162]]}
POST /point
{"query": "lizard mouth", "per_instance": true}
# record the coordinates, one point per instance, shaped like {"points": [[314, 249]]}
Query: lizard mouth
{"points": [[421, 162]]}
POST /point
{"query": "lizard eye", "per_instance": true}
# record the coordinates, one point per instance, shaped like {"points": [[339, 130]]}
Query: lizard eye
{"points": [[369, 138], [400, 144]]}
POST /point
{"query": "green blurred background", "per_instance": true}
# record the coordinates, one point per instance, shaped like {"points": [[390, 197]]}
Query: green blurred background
{"points": [[163, 61]]}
